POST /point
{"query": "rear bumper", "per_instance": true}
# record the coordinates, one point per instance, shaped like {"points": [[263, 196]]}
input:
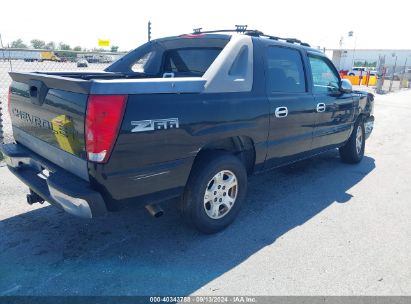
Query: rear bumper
{"points": [[369, 126], [52, 183]]}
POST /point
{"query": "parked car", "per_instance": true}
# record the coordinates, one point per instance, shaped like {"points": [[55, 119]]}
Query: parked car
{"points": [[82, 63], [362, 71], [203, 112]]}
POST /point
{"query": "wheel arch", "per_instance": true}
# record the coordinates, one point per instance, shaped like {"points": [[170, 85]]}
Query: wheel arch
{"points": [[364, 107], [240, 146]]}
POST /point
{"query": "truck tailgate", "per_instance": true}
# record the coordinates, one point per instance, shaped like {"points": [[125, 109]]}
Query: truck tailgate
{"points": [[48, 117]]}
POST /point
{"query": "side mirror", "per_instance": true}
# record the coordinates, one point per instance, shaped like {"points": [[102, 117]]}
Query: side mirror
{"points": [[345, 86]]}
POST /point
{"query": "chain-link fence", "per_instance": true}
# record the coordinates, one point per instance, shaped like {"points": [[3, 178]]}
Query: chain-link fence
{"points": [[383, 71], [25, 60], [388, 85]]}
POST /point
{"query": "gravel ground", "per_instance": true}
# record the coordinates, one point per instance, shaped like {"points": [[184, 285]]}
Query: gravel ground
{"points": [[318, 227]]}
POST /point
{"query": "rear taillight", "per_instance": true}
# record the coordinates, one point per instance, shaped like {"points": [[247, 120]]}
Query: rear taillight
{"points": [[103, 120]]}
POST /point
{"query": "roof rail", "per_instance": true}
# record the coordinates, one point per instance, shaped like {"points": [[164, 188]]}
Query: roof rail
{"points": [[242, 29], [289, 40], [238, 29]]}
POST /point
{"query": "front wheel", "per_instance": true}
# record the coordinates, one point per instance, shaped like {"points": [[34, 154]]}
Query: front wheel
{"points": [[353, 150], [215, 192]]}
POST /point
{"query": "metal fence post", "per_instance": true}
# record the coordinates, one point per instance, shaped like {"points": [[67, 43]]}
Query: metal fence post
{"points": [[1, 102], [1, 124], [393, 72], [381, 63], [403, 72]]}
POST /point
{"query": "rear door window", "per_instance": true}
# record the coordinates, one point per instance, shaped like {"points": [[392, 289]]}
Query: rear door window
{"points": [[285, 70]]}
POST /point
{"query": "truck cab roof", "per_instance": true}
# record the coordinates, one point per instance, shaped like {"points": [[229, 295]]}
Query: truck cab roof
{"points": [[214, 40], [289, 42]]}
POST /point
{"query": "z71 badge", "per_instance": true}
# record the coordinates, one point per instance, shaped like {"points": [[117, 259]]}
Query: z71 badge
{"points": [[154, 124]]}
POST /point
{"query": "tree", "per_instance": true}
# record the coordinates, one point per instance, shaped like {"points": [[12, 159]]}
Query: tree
{"points": [[38, 44], [66, 55], [64, 46], [114, 48], [18, 44], [51, 45], [77, 48]]}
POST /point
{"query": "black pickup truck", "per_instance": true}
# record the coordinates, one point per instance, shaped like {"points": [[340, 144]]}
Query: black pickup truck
{"points": [[186, 117]]}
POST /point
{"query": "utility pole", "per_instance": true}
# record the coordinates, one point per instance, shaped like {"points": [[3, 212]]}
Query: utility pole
{"points": [[149, 30], [353, 53], [341, 53]]}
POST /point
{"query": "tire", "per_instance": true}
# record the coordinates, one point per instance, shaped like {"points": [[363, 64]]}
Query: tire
{"points": [[351, 74], [212, 210], [353, 150]]}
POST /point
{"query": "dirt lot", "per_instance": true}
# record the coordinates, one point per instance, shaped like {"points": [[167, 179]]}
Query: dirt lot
{"points": [[318, 227]]}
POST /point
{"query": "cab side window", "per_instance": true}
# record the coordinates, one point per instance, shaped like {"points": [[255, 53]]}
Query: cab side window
{"points": [[325, 79], [285, 70]]}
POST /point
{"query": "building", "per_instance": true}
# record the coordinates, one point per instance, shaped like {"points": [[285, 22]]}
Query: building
{"points": [[345, 59]]}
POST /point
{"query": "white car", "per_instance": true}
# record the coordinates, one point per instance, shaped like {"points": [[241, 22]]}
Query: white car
{"points": [[82, 63], [361, 71]]}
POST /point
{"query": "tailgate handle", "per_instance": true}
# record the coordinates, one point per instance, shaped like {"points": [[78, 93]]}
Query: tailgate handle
{"points": [[38, 92]]}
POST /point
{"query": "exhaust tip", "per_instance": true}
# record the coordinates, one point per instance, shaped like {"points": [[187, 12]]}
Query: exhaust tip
{"points": [[155, 210], [34, 198]]}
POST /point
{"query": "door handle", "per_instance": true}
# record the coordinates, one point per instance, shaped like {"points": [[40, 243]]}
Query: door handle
{"points": [[321, 107], [281, 112]]}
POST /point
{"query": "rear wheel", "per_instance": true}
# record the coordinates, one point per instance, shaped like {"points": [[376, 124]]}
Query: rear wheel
{"points": [[215, 192], [353, 150]]}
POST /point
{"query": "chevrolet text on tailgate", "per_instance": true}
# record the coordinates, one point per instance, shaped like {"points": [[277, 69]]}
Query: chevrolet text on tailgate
{"points": [[187, 117]]}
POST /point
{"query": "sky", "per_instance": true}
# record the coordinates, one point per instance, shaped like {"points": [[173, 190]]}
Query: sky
{"points": [[375, 24]]}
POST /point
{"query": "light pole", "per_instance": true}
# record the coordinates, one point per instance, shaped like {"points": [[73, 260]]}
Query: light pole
{"points": [[342, 58], [351, 34]]}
